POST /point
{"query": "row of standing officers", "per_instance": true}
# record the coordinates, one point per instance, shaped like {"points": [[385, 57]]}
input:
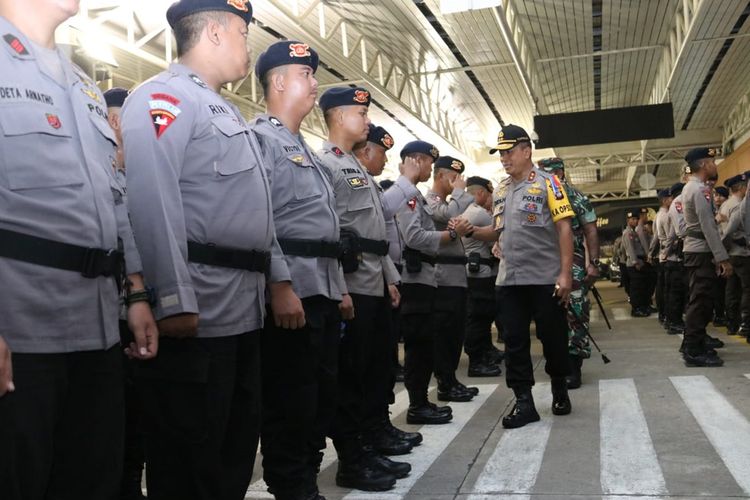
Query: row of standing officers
{"points": [[226, 223]]}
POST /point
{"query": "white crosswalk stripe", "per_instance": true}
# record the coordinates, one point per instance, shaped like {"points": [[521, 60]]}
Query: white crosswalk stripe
{"points": [[437, 438], [399, 406], [514, 465], [726, 428], [627, 465]]}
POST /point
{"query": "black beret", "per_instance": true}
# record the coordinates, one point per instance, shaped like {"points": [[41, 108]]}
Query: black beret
{"points": [[676, 189], [630, 214], [386, 183], [644, 210], [115, 97], [344, 96], [449, 163], [283, 53], [549, 165], [663, 193], [420, 147], [735, 180], [380, 136], [508, 137], [699, 154], [183, 8], [722, 191], [475, 180]]}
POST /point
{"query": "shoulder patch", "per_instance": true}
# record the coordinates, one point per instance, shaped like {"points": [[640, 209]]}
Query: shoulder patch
{"points": [[412, 204], [163, 110], [556, 188], [15, 44], [275, 121], [337, 151]]}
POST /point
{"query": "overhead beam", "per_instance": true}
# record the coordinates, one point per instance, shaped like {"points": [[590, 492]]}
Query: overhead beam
{"points": [[738, 122]]}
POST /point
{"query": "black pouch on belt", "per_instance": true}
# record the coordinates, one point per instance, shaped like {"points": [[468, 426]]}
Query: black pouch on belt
{"points": [[413, 260], [475, 260], [351, 255]]}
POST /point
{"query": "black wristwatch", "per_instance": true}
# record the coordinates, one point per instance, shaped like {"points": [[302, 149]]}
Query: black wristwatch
{"points": [[453, 234], [596, 262]]}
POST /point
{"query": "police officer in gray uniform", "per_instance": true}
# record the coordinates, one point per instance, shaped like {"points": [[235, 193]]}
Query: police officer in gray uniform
{"points": [[531, 213], [636, 266], [705, 259], [371, 154], [449, 316], [481, 272], [733, 236], [371, 277], [307, 290], [201, 210], [418, 288], [61, 406], [676, 277]]}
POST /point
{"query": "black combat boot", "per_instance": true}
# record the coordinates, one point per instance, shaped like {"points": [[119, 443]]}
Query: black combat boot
{"points": [[706, 359], [523, 411], [450, 390], [560, 400], [423, 412], [574, 379], [397, 469], [482, 368], [387, 443], [414, 438], [362, 475]]}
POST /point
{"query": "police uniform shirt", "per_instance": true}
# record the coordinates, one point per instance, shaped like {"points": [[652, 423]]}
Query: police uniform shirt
{"points": [[661, 228], [479, 217], [733, 230], [304, 207], [56, 152], [393, 199], [525, 213], [442, 212], [726, 209], [633, 247], [644, 238], [360, 210], [699, 219], [418, 231], [195, 174]]}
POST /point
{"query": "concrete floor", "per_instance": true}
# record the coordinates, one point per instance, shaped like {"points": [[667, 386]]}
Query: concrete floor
{"points": [[643, 426]]}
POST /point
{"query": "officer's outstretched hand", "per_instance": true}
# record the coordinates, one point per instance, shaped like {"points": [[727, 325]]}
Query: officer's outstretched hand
{"points": [[459, 182], [286, 307], [179, 326], [724, 269], [461, 226], [395, 295], [141, 323], [563, 288], [346, 307], [410, 169], [6, 369]]}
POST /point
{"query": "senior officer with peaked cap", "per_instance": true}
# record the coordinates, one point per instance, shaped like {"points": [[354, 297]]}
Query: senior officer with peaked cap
{"points": [[61, 216], [201, 209], [531, 214]]}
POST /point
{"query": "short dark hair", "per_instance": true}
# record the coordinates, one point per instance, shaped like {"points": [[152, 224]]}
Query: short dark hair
{"points": [[187, 31]]}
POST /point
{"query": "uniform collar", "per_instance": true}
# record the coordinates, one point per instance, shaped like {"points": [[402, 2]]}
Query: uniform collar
{"points": [[14, 42], [335, 149]]}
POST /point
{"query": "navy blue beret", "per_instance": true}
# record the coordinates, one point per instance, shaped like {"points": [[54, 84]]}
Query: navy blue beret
{"points": [[344, 96], [449, 163], [663, 193], [380, 136], [722, 191], [735, 179], [475, 180], [630, 214], [676, 189], [420, 147], [183, 8], [283, 53], [699, 154], [115, 97]]}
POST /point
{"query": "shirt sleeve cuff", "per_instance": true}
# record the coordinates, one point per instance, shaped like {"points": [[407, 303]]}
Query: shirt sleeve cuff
{"points": [[179, 299]]}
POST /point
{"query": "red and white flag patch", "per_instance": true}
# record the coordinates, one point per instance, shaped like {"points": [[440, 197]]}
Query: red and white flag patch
{"points": [[164, 111]]}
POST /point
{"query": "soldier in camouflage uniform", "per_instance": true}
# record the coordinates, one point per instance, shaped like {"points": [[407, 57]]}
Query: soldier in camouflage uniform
{"points": [[584, 275]]}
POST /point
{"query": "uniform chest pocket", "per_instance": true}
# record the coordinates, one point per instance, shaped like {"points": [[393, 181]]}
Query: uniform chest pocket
{"points": [[235, 155], [360, 198], [306, 178], [38, 148]]}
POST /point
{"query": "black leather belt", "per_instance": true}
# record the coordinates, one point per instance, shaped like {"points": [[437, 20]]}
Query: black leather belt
{"points": [[212, 255], [377, 247], [488, 261], [311, 248], [90, 262], [695, 234], [450, 259]]}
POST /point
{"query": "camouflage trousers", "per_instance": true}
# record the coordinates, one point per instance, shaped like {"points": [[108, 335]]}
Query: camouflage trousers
{"points": [[579, 309]]}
